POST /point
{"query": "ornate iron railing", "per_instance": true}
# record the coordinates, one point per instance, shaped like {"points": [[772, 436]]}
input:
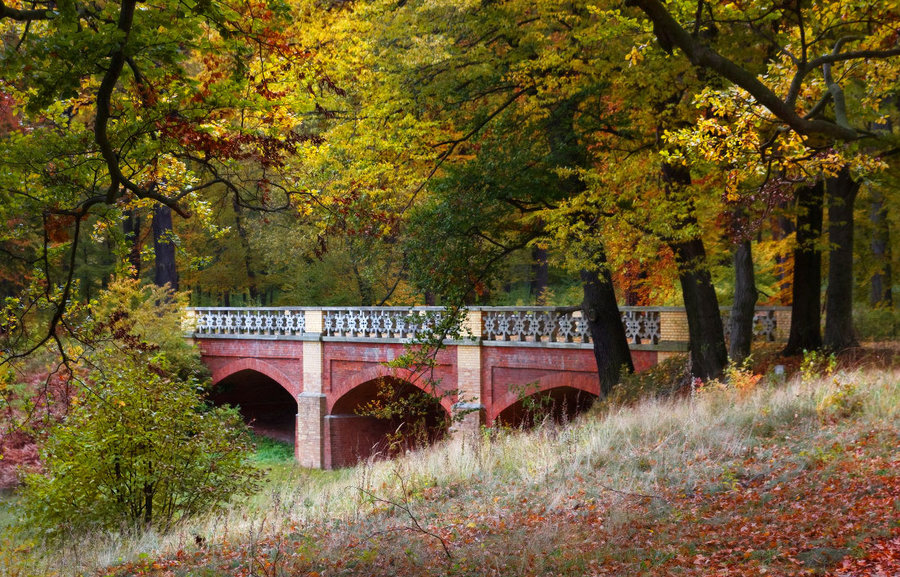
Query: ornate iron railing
{"points": [[262, 321], [643, 325], [765, 324], [380, 322], [563, 325]]}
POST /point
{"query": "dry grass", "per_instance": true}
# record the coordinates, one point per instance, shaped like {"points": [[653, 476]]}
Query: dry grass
{"points": [[493, 489]]}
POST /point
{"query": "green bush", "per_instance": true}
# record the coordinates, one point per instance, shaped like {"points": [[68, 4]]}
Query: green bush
{"points": [[876, 324], [661, 380], [139, 446], [137, 449]]}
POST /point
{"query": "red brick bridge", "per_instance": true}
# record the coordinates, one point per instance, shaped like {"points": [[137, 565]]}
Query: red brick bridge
{"points": [[308, 370]]}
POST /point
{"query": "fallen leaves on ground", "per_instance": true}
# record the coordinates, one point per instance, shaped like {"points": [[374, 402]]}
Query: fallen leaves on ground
{"points": [[829, 508]]}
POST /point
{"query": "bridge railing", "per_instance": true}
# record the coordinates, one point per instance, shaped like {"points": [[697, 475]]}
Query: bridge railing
{"points": [[247, 322], [554, 326], [563, 324], [380, 322]]}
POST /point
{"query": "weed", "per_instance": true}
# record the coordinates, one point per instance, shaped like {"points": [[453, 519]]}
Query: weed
{"points": [[817, 364], [641, 489], [842, 401], [741, 378]]}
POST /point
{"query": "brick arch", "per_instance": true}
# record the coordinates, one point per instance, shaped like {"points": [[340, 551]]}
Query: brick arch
{"points": [[258, 366], [368, 375], [584, 382]]}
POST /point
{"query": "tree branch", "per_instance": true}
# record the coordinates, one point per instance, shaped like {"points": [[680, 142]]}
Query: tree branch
{"points": [[117, 62], [24, 15], [834, 88], [670, 33]]}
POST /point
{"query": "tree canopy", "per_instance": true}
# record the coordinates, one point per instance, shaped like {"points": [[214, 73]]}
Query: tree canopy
{"points": [[422, 149]]}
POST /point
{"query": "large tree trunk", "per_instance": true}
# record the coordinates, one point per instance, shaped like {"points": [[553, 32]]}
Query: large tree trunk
{"points": [[600, 309], [707, 335], [132, 230], [744, 306], [839, 332], [880, 293], [806, 290], [604, 320], [164, 248]]}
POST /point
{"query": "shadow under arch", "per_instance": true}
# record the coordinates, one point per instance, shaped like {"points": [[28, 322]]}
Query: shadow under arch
{"points": [[560, 404], [383, 417], [264, 403]]}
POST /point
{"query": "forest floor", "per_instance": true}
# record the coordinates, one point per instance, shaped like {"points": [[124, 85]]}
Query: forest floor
{"points": [[755, 477]]}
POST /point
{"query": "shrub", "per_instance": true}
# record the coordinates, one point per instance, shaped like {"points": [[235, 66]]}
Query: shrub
{"points": [[879, 324], [664, 379], [817, 364], [149, 314], [138, 448], [843, 400]]}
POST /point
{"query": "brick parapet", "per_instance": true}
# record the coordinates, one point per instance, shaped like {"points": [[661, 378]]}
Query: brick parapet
{"points": [[783, 323]]}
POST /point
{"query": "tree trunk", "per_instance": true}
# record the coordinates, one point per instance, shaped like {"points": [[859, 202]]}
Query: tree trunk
{"points": [[600, 309], [839, 332], [132, 230], [540, 275], [784, 227], [164, 248], [806, 289], [742, 310], [248, 251], [880, 295], [601, 312], [709, 356], [707, 335]]}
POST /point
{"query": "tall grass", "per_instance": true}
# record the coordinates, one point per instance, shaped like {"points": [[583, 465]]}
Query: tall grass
{"points": [[681, 445]]}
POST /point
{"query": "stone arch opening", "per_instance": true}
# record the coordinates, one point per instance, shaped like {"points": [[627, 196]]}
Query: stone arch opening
{"points": [[556, 405], [383, 417], [264, 404]]}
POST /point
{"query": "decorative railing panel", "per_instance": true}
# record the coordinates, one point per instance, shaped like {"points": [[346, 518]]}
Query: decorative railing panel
{"points": [[263, 321], [764, 323], [534, 324], [642, 325], [380, 322], [558, 325]]}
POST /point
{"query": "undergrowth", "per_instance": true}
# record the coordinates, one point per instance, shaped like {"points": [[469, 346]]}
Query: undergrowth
{"points": [[271, 451], [654, 486]]}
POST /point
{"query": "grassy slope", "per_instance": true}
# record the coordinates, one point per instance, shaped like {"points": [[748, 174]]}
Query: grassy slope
{"points": [[778, 480]]}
